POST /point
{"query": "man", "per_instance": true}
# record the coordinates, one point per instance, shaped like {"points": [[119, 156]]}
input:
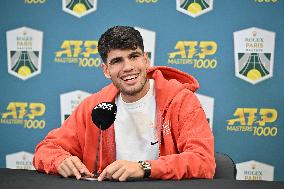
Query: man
{"points": [[160, 130]]}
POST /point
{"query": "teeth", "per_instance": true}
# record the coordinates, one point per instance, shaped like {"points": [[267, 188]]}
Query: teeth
{"points": [[131, 77]]}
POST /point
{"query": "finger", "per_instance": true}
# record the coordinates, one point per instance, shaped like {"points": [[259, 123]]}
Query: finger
{"points": [[78, 163], [124, 176], [62, 172], [65, 168], [109, 170], [81, 167], [102, 175], [116, 175], [73, 169], [113, 168], [106, 173], [86, 171]]}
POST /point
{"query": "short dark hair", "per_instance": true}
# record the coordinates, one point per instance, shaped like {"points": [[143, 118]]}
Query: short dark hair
{"points": [[119, 37]]}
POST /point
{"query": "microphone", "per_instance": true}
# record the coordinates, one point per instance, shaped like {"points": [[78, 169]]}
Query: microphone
{"points": [[103, 116]]}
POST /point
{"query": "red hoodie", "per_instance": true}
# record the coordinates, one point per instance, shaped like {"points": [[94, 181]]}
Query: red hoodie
{"points": [[186, 140]]}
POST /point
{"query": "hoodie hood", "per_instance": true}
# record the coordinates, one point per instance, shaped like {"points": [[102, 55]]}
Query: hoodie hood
{"points": [[171, 74]]}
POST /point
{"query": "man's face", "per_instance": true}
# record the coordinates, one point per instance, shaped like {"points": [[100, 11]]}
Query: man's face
{"points": [[127, 70]]}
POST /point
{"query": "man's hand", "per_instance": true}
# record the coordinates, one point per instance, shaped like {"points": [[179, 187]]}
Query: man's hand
{"points": [[122, 170], [72, 166]]}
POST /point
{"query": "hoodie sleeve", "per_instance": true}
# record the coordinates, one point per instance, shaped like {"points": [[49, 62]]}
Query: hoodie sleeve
{"points": [[58, 145], [193, 140]]}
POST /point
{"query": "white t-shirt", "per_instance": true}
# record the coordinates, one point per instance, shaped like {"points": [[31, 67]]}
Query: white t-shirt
{"points": [[135, 131]]}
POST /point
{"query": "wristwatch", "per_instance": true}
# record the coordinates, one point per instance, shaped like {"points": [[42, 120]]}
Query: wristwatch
{"points": [[146, 166]]}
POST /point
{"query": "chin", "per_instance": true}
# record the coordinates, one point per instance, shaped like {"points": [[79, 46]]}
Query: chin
{"points": [[131, 91]]}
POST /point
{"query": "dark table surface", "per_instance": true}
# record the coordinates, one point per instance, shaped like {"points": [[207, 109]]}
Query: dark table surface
{"points": [[26, 179]]}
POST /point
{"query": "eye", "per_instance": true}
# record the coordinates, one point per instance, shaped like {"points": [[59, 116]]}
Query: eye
{"points": [[115, 61], [134, 56]]}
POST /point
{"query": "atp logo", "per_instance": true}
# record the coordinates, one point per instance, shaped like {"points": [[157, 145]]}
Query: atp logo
{"points": [[23, 113], [260, 122], [195, 53], [79, 8], [24, 52], [82, 53], [194, 8], [254, 54]]}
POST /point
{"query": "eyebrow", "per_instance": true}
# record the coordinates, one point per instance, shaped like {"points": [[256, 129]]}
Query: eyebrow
{"points": [[135, 53]]}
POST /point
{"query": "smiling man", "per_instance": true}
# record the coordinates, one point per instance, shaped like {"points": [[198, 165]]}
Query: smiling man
{"points": [[160, 131]]}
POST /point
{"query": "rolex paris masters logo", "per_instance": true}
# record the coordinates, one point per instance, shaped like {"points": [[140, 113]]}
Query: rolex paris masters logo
{"points": [[254, 54], [24, 52], [194, 8], [69, 102], [79, 8]]}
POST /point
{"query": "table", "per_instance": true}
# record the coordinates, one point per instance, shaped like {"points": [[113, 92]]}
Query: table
{"points": [[27, 179]]}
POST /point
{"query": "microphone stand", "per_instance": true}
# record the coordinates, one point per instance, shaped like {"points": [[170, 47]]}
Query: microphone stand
{"points": [[96, 174]]}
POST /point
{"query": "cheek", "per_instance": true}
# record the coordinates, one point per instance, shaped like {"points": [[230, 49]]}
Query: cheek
{"points": [[113, 74]]}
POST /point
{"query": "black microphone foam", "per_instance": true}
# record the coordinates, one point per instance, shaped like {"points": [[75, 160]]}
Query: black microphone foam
{"points": [[103, 115]]}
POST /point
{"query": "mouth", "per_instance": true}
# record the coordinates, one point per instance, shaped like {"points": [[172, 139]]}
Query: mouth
{"points": [[130, 79]]}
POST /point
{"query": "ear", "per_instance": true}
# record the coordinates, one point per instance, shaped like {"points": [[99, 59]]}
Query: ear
{"points": [[105, 70], [148, 62]]}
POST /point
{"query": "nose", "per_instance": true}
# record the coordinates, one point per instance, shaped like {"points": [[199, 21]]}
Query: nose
{"points": [[128, 65]]}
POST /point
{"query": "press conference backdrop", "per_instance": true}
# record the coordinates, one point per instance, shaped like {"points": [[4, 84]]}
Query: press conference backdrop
{"points": [[49, 63]]}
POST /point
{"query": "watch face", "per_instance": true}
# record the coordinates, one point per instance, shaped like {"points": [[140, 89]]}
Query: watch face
{"points": [[146, 167], [145, 164]]}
